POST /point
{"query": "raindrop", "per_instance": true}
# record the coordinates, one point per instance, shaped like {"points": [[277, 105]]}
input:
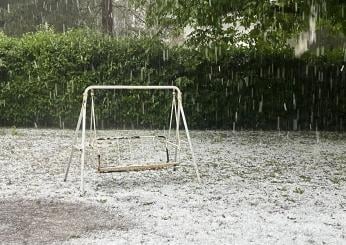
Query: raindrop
{"points": [[317, 135], [283, 72], [216, 51], [193, 100], [246, 81], [260, 107], [295, 124], [56, 90], [311, 118], [337, 100], [142, 73]]}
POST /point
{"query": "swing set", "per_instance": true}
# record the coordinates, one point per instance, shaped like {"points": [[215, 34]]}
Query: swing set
{"points": [[96, 142]]}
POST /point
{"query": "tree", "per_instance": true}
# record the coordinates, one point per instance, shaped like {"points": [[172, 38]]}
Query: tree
{"points": [[256, 23], [107, 16], [21, 16]]}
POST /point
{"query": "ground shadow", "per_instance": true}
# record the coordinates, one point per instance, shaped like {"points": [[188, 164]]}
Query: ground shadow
{"points": [[41, 221]]}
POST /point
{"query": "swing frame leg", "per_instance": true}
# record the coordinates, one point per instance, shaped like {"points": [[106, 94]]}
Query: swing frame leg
{"points": [[75, 137], [180, 106]]}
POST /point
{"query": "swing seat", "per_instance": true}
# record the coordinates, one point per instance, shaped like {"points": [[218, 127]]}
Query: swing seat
{"points": [[130, 137], [131, 167], [136, 168]]}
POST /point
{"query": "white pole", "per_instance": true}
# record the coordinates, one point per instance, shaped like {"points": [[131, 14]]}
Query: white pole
{"points": [[85, 98], [129, 87], [171, 117], [177, 120], [93, 118], [73, 145], [189, 139]]}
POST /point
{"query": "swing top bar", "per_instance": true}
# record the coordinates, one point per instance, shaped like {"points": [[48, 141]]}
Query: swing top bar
{"points": [[128, 87]]}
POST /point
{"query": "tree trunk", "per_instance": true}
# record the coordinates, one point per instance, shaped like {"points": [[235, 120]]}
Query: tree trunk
{"points": [[107, 16]]}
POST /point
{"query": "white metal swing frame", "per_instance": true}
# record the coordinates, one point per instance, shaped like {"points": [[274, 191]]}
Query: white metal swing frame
{"points": [[177, 110]]}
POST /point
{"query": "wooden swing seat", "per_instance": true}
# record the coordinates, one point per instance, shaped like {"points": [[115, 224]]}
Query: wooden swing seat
{"points": [[131, 168]]}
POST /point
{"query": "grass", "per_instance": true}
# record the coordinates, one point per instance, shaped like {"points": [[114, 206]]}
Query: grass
{"points": [[14, 131], [298, 190], [305, 178], [2, 131]]}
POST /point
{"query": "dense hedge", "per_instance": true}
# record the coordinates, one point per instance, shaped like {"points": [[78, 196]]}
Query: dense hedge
{"points": [[43, 75]]}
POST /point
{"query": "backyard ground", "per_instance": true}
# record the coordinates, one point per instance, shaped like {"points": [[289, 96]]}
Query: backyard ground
{"points": [[257, 188]]}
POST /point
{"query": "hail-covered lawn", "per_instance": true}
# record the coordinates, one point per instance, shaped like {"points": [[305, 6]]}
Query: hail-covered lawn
{"points": [[257, 187]]}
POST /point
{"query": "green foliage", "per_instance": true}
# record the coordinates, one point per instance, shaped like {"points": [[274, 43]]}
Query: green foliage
{"points": [[14, 131], [268, 23], [298, 190], [22, 16], [43, 76]]}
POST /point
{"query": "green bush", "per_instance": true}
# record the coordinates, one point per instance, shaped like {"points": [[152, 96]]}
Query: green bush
{"points": [[43, 75]]}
